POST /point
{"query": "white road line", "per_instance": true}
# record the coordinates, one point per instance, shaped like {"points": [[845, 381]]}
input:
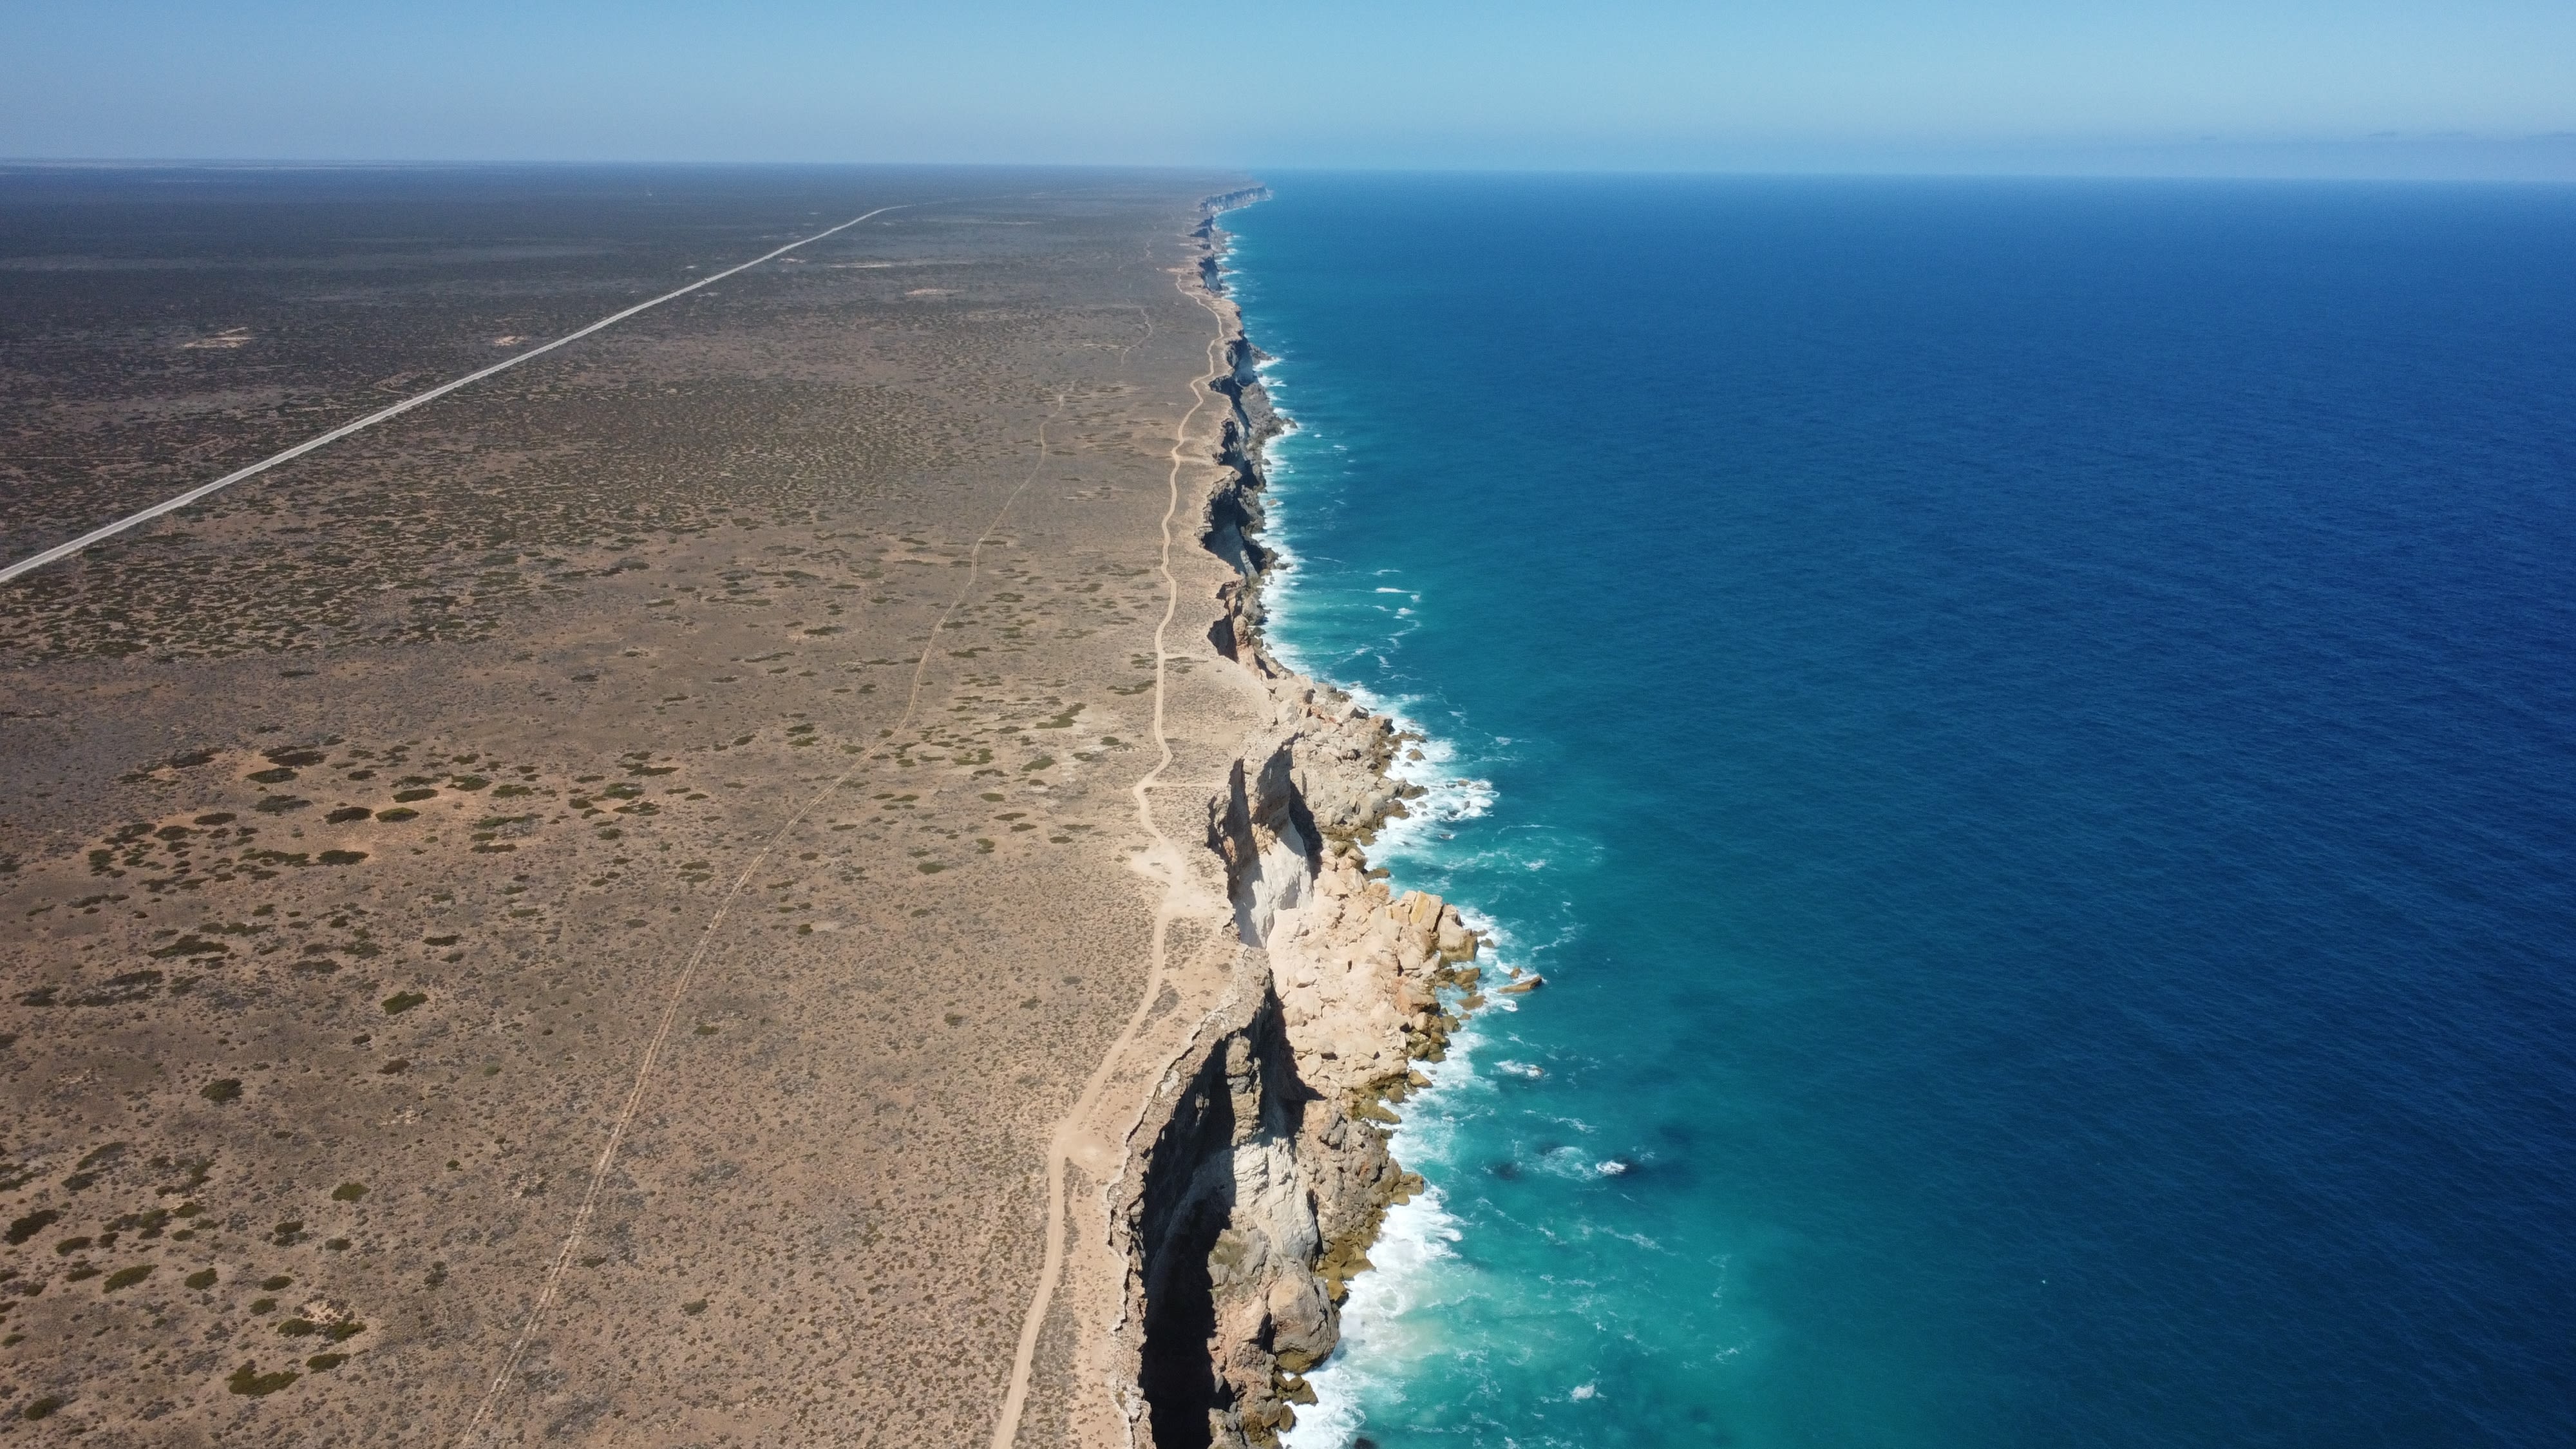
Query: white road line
{"points": [[66, 550]]}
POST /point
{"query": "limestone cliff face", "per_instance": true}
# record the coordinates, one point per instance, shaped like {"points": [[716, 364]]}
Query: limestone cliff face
{"points": [[1232, 524], [1268, 1172]]}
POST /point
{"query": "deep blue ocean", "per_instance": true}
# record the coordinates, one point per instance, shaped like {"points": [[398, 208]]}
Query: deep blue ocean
{"points": [[2031, 728]]}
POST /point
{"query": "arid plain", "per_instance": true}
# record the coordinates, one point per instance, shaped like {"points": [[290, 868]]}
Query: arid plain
{"points": [[574, 913]]}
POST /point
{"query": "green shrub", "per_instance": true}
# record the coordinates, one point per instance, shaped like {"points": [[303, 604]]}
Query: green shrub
{"points": [[32, 1224], [249, 1380]]}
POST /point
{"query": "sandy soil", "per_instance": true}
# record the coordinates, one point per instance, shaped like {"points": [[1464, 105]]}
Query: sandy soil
{"points": [[575, 915]]}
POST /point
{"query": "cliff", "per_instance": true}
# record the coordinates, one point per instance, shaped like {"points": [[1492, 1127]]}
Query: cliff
{"points": [[1261, 1171]]}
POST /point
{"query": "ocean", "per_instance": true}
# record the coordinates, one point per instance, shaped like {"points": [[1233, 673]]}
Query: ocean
{"points": [[2030, 728]]}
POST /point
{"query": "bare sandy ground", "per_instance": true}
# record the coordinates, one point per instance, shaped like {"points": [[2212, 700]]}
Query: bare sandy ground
{"points": [[575, 915]]}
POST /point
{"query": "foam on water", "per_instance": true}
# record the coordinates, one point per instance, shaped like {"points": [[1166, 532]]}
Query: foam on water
{"points": [[1385, 1330]]}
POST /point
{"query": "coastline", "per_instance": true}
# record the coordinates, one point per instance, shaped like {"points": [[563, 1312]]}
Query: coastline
{"points": [[1258, 1171]]}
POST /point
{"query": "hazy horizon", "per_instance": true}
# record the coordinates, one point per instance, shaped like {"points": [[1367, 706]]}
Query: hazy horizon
{"points": [[2542, 161], [2397, 89]]}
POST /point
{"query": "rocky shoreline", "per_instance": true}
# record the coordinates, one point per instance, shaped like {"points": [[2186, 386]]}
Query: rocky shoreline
{"points": [[1261, 1172]]}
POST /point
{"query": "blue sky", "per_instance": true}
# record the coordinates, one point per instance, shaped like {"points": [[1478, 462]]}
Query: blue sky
{"points": [[2400, 87]]}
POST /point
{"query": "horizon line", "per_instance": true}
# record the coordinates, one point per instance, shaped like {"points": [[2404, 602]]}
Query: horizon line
{"points": [[1854, 172]]}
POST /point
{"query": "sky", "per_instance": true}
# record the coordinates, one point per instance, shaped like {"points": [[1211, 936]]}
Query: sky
{"points": [[2461, 88]]}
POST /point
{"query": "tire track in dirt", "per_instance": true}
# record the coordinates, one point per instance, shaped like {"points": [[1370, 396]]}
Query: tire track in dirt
{"points": [[680, 989]]}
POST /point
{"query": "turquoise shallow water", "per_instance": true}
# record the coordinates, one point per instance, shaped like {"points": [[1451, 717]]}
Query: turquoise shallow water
{"points": [[2030, 727]]}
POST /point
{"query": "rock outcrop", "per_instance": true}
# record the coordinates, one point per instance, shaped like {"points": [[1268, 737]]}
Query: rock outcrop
{"points": [[1268, 1173]]}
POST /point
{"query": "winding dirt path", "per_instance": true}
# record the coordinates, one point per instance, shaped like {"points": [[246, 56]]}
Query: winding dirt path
{"points": [[680, 988], [1165, 865]]}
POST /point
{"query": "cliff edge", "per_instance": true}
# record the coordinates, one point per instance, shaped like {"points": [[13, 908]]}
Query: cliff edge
{"points": [[1258, 1171]]}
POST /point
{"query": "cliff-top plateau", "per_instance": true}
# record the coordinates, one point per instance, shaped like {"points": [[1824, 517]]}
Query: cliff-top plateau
{"points": [[747, 881]]}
